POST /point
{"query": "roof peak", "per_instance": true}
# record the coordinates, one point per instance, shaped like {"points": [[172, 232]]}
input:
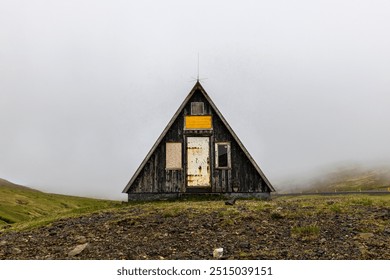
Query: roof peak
{"points": [[198, 88]]}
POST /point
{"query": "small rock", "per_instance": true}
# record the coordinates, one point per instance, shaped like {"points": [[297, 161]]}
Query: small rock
{"points": [[244, 245], [77, 250], [362, 250], [323, 240], [57, 249], [218, 253], [320, 252], [81, 239], [365, 235], [231, 201], [16, 251], [385, 215], [3, 242]]}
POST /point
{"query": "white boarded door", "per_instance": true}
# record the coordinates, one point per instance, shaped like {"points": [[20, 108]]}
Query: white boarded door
{"points": [[198, 162]]}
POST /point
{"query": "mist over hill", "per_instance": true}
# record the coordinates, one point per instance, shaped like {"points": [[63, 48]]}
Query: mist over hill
{"points": [[345, 177], [5, 183]]}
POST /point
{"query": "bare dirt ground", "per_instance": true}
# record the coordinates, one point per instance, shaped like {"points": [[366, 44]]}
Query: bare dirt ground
{"points": [[289, 228]]}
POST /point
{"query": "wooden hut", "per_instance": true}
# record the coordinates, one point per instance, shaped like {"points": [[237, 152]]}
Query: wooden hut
{"points": [[198, 152]]}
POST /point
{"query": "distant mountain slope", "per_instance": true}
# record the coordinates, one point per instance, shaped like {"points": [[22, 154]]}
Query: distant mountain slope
{"points": [[23, 204], [5, 183], [353, 178]]}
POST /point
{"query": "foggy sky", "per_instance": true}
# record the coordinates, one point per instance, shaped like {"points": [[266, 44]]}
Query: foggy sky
{"points": [[86, 87]]}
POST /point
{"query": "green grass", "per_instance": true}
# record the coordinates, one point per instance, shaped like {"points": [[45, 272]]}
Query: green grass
{"points": [[310, 230], [335, 208], [363, 201], [22, 207]]}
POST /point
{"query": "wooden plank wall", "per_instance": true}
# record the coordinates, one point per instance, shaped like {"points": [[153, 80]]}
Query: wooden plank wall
{"points": [[155, 179]]}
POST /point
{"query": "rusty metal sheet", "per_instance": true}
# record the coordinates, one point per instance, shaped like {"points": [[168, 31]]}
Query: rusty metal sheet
{"points": [[198, 162], [198, 122]]}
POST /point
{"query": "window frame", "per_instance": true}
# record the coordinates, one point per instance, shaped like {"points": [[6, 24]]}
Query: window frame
{"points": [[192, 111], [229, 160]]}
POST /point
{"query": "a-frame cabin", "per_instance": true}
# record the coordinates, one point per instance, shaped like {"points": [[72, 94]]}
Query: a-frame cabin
{"points": [[198, 152]]}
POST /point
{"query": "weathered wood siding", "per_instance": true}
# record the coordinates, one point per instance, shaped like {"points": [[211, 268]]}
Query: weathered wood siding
{"points": [[154, 178]]}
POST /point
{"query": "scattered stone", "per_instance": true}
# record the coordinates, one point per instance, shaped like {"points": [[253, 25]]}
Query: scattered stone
{"points": [[195, 234], [363, 250], [365, 235], [244, 245], [231, 201], [16, 251], [320, 252], [81, 239], [276, 215], [218, 253], [385, 214], [77, 250]]}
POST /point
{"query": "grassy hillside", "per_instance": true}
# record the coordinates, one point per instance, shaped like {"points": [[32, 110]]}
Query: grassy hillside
{"points": [[351, 178], [19, 204], [354, 226], [355, 179]]}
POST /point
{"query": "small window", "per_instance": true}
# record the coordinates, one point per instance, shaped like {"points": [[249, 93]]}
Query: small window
{"points": [[197, 108], [222, 155], [173, 155]]}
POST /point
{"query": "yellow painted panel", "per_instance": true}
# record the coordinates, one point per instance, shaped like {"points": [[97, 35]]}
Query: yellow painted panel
{"points": [[198, 122]]}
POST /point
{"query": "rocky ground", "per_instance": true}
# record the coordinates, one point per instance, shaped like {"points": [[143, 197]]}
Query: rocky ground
{"points": [[281, 229]]}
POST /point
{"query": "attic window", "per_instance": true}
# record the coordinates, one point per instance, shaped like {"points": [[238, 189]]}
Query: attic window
{"points": [[197, 108], [222, 155]]}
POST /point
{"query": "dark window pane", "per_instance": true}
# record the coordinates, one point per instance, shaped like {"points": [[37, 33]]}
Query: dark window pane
{"points": [[197, 108], [222, 156]]}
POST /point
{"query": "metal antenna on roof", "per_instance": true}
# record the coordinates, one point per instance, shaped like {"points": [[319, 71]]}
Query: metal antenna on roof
{"points": [[197, 79]]}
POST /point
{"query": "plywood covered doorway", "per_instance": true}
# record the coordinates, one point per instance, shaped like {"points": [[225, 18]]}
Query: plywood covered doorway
{"points": [[198, 161]]}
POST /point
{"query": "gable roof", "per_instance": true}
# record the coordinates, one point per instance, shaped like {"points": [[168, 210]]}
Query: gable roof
{"points": [[196, 87]]}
